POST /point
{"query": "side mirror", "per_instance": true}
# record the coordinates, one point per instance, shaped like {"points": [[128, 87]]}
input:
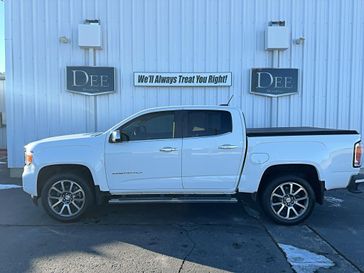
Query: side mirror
{"points": [[115, 136]]}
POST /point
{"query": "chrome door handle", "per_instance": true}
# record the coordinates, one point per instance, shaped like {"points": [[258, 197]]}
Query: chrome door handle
{"points": [[228, 147], [168, 149]]}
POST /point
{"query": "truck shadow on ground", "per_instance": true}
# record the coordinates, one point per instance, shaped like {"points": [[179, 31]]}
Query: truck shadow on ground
{"points": [[141, 237]]}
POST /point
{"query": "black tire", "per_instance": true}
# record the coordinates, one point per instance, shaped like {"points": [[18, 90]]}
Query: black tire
{"points": [[71, 197], [277, 208]]}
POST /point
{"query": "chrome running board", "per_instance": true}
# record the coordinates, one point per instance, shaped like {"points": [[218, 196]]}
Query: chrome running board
{"points": [[133, 200]]}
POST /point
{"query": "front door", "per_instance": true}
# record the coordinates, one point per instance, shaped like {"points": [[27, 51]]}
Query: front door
{"points": [[148, 159]]}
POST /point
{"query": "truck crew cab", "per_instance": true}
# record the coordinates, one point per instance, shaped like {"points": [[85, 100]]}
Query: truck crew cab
{"points": [[191, 154]]}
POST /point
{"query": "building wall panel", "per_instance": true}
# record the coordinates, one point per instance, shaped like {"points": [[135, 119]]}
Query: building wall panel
{"points": [[180, 36], [2, 110]]}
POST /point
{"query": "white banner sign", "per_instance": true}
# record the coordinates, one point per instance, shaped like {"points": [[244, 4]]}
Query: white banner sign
{"points": [[152, 79]]}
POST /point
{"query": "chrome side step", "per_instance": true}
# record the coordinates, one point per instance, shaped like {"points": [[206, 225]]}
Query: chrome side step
{"points": [[130, 200]]}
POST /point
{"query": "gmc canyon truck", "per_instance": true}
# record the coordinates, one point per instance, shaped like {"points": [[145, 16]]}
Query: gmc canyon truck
{"points": [[191, 154]]}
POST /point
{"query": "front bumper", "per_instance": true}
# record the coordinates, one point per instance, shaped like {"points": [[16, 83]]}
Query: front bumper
{"points": [[355, 180], [29, 178]]}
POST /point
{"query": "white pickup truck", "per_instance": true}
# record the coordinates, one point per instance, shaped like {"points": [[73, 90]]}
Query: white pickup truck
{"points": [[191, 154]]}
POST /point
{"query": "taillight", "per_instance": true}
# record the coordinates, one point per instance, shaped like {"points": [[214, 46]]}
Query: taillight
{"points": [[357, 155]]}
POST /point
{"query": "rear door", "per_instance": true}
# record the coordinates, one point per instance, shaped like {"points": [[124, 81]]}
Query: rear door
{"points": [[213, 150]]}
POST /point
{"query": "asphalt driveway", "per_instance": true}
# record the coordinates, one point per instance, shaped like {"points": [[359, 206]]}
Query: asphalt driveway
{"points": [[180, 238]]}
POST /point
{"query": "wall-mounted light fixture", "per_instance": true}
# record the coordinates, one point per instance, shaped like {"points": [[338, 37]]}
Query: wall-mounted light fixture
{"points": [[299, 41], [64, 40]]}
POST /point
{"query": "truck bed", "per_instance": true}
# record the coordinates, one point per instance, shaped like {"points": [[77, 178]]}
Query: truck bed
{"points": [[296, 131]]}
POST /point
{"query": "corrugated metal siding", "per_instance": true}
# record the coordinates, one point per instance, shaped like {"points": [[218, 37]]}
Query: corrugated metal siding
{"points": [[2, 110], [177, 36]]}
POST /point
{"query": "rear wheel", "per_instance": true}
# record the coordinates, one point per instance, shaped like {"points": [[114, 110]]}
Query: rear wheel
{"points": [[66, 197], [288, 200]]}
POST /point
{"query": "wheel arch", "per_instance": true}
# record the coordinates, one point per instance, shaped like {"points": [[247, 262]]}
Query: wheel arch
{"points": [[50, 170], [305, 171]]}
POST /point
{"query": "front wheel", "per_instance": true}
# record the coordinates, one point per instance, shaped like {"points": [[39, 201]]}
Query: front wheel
{"points": [[66, 197], [288, 200]]}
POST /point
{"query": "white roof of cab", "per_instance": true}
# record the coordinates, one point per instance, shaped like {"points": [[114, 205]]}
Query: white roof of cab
{"points": [[188, 107]]}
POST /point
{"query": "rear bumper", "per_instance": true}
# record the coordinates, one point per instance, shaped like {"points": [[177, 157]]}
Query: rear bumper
{"points": [[355, 180]]}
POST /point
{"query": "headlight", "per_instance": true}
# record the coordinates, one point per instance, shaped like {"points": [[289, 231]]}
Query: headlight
{"points": [[28, 158]]}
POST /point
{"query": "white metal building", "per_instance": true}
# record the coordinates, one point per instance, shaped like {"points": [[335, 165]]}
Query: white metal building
{"points": [[2, 113], [326, 44]]}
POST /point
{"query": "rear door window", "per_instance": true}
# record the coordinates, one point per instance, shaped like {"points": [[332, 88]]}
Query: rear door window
{"points": [[201, 123]]}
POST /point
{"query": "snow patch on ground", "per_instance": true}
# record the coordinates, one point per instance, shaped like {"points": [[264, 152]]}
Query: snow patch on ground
{"points": [[333, 201], [304, 261], [9, 186]]}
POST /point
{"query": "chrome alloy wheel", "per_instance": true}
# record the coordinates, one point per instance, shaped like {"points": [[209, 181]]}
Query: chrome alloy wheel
{"points": [[66, 198], [289, 200]]}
